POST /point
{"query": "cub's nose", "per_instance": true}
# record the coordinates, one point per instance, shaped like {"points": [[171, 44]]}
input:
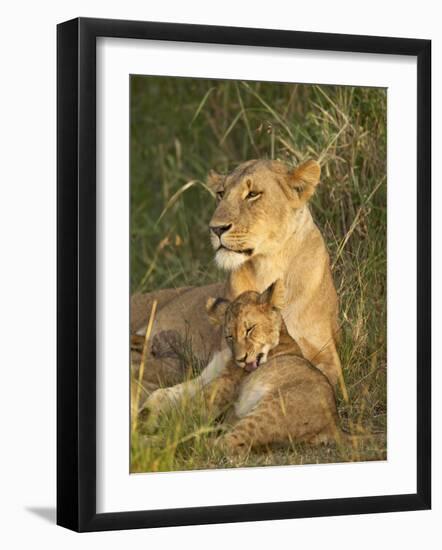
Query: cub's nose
{"points": [[220, 229]]}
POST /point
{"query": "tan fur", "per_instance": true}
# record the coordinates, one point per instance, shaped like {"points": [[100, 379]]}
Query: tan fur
{"points": [[284, 398], [180, 324], [271, 235]]}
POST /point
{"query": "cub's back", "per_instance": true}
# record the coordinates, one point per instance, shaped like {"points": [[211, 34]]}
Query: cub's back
{"points": [[284, 374]]}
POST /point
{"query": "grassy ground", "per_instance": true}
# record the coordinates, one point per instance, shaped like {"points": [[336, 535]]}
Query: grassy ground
{"points": [[181, 128]]}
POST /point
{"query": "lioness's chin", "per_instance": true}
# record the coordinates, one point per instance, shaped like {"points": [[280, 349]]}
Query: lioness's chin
{"points": [[229, 260]]}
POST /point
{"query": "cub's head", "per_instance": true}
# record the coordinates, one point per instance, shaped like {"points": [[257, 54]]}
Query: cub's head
{"points": [[251, 323], [257, 206]]}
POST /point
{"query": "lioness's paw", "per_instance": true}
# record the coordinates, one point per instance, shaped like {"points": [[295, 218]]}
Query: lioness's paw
{"points": [[160, 401], [147, 422]]}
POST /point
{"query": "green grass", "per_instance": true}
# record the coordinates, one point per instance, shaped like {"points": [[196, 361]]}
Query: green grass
{"points": [[180, 129]]}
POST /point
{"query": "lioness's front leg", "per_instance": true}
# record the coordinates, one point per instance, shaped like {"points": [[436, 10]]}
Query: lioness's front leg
{"points": [[162, 400], [328, 362]]}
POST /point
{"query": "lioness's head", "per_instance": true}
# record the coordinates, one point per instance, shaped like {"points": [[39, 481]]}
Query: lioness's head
{"points": [[251, 323], [257, 203]]}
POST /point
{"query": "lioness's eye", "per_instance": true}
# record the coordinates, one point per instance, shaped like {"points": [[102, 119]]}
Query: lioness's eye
{"points": [[249, 330], [253, 195], [228, 337]]}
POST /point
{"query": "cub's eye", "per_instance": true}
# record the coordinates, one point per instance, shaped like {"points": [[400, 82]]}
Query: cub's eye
{"points": [[229, 337], [219, 195], [249, 330], [253, 195]]}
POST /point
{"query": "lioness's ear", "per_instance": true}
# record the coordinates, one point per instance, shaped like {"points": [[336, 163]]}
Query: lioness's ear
{"points": [[274, 295], [214, 180], [305, 178], [216, 310]]}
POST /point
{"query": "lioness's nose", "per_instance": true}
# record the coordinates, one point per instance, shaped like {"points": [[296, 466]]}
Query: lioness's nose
{"points": [[220, 229]]}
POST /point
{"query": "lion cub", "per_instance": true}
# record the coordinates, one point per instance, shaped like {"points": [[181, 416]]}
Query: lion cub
{"points": [[275, 394]]}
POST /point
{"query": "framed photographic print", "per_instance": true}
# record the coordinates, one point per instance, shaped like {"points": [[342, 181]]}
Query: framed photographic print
{"points": [[243, 274]]}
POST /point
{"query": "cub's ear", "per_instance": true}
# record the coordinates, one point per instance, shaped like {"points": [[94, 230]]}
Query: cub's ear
{"points": [[274, 295], [216, 310], [214, 180], [304, 179]]}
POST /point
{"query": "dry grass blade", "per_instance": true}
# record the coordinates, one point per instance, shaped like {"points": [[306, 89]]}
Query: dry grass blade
{"points": [[142, 363], [201, 105], [297, 154], [178, 194], [330, 143], [290, 100], [270, 110], [328, 98], [197, 433], [246, 120], [355, 223], [152, 265], [231, 126]]}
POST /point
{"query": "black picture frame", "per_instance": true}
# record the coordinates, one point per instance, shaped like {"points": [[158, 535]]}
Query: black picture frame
{"points": [[76, 273]]}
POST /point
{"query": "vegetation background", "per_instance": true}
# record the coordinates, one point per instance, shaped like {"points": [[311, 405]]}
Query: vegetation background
{"points": [[180, 129]]}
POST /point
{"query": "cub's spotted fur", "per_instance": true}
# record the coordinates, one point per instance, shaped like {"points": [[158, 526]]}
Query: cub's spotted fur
{"points": [[277, 395], [268, 391]]}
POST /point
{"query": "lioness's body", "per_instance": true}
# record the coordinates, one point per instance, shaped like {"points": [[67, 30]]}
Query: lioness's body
{"points": [[271, 236], [180, 311]]}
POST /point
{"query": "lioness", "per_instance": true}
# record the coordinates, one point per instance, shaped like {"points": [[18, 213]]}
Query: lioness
{"points": [[275, 395], [261, 230]]}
